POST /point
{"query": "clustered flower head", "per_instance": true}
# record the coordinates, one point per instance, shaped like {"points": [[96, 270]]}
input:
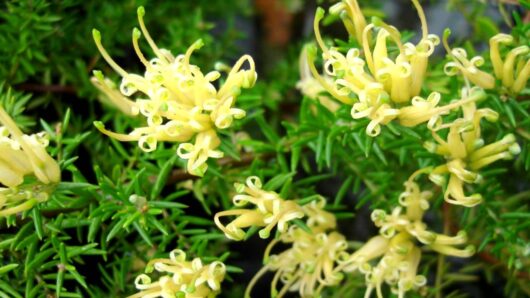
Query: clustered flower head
{"points": [[380, 86], [514, 69], [181, 278], [180, 103], [270, 211], [23, 155], [309, 264], [466, 153], [396, 246]]}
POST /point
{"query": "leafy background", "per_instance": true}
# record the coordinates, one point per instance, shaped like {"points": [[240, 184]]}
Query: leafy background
{"points": [[90, 240]]}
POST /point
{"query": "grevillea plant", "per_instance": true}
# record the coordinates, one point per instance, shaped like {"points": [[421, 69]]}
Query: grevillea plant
{"points": [[386, 163]]}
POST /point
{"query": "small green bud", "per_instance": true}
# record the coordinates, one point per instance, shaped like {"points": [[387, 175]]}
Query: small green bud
{"points": [[319, 14], [136, 33], [140, 11], [98, 74], [96, 35], [99, 125]]}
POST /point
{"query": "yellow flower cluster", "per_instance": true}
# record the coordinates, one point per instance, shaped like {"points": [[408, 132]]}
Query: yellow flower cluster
{"points": [[271, 210], [514, 70], [309, 264], [384, 87], [186, 279], [23, 155], [466, 152], [179, 102], [396, 248], [379, 86]]}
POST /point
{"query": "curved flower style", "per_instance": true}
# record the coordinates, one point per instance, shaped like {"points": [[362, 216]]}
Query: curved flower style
{"points": [[514, 70], [311, 87], [23, 155], [179, 102], [396, 248], [351, 16], [379, 86], [318, 219], [309, 264], [466, 153], [182, 278], [271, 210], [468, 68]]}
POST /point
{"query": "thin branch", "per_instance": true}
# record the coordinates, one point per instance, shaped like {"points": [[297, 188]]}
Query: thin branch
{"points": [[46, 88]]}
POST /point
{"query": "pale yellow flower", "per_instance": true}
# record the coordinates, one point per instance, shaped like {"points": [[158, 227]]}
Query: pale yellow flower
{"points": [[396, 248], [198, 153], [318, 219], [401, 77], [181, 278], [23, 155], [351, 16], [111, 94], [270, 210], [380, 86], [514, 70], [469, 68], [179, 102], [310, 262], [466, 153], [374, 104], [426, 110]]}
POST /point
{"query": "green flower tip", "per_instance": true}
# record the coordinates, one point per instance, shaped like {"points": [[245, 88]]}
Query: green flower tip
{"points": [[140, 11], [264, 234], [274, 293], [98, 74], [447, 32], [99, 125], [311, 51], [136, 33], [514, 149], [199, 43], [462, 234], [377, 21], [190, 289], [96, 35], [239, 187], [344, 15], [149, 269], [337, 8], [319, 13]]}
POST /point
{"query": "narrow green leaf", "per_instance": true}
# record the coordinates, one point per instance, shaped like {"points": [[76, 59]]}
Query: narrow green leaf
{"points": [[37, 221], [277, 181], [71, 269], [143, 233], [115, 229], [7, 268], [162, 177], [302, 225], [343, 190], [93, 228]]}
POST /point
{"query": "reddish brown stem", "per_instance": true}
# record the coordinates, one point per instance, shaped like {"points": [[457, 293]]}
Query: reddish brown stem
{"points": [[46, 88]]}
